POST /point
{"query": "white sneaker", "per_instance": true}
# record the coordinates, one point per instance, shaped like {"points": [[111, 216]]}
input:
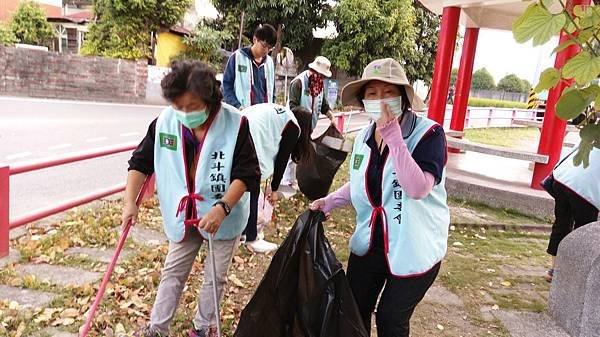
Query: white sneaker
{"points": [[261, 246]]}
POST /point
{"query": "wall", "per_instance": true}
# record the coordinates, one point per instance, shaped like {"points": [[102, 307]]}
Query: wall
{"points": [[167, 46], [501, 95], [35, 73]]}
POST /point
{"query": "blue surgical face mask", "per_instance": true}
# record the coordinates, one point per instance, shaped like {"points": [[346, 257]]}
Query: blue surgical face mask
{"points": [[373, 106], [191, 119]]}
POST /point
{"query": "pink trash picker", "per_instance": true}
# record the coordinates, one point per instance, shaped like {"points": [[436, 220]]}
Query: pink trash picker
{"points": [[111, 266]]}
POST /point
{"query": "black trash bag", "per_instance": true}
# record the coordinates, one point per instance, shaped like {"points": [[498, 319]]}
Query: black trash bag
{"points": [[315, 178], [304, 293]]}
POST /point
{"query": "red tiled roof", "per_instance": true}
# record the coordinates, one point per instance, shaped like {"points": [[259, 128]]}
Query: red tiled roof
{"points": [[80, 17], [180, 30], [7, 7]]}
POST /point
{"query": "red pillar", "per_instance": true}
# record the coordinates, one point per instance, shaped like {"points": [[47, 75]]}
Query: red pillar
{"points": [[553, 128], [463, 81], [443, 64], [4, 210]]}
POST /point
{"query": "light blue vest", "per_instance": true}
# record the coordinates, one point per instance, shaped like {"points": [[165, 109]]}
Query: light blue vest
{"points": [[415, 231], [584, 182], [266, 122], [244, 78], [213, 173], [306, 99]]}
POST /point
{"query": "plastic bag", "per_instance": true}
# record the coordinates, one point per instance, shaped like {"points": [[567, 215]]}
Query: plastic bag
{"points": [[265, 213], [304, 293], [316, 177]]}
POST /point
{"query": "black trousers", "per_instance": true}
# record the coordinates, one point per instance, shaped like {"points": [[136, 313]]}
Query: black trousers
{"points": [[251, 226], [368, 275], [570, 212]]}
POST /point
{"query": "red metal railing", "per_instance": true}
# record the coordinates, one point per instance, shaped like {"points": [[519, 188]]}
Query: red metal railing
{"points": [[6, 224]]}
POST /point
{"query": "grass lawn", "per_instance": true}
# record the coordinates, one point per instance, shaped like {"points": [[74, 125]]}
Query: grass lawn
{"points": [[486, 270], [507, 137]]}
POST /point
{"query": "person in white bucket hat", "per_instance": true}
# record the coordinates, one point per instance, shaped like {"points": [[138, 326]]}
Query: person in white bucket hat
{"points": [[307, 90], [397, 173]]}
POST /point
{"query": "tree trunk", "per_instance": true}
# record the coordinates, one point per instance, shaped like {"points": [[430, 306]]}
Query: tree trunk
{"points": [[277, 44]]}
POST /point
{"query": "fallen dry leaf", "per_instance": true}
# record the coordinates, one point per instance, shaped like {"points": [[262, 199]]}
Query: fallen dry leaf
{"points": [[69, 313], [236, 281]]}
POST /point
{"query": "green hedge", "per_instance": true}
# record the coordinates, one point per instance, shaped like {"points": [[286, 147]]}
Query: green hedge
{"points": [[496, 103]]}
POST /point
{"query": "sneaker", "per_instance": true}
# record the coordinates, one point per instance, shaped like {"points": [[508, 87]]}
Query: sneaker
{"points": [[202, 332], [261, 246], [549, 275], [197, 332], [149, 331]]}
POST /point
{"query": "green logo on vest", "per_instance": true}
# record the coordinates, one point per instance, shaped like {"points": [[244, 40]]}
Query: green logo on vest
{"points": [[358, 158], [168, 141], [242, 68]]}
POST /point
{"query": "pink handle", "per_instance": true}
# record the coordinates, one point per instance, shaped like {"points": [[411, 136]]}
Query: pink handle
{"points": [[111, 266]]}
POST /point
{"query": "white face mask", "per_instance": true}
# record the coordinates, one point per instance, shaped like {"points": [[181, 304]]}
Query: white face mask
{"points": [[373, 106]]}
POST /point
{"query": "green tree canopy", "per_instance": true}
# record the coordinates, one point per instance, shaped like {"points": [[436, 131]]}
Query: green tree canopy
{"points": [[29, 25], [419, 64], [7, 37], [512, 83], [371, 29], [453, 76], [482, 80], [204, 45], [295, 19], [526, 85], [123, 27]]}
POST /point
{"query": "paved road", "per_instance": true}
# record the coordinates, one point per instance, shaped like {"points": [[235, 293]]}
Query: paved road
{"points": [[33, 129]]}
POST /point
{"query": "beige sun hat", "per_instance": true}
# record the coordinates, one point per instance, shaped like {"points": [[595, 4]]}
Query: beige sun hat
{"points": [[386, 70], [321, 65]]}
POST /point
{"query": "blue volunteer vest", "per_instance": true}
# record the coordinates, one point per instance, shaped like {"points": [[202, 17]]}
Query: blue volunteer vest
{"points": [[415, 231], [213, 173], [266, 122], [582, 181], [306, 99], [244, 78]]}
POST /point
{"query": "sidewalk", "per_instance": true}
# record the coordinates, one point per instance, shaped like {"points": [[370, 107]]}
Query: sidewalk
{"points": [[485, 287]]}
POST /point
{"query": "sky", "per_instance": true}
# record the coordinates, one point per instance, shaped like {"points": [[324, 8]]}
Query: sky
{"points": [[498, 52]]}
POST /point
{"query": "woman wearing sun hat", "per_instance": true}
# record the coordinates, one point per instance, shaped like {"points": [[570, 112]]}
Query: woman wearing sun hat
{"points": [[397, 174]]}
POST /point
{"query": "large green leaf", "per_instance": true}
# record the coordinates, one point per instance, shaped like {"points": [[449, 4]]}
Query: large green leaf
{"points": [[584, 67], [572, 103], [564, 45], [583, 154], [590, 133], [548, 79], [537, 24]]}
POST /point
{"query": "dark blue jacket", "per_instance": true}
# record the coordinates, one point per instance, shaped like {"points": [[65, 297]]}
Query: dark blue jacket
{"points": [[259, 85]]}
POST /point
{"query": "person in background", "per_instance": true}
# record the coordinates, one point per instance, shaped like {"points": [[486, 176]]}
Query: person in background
{"points": [[279, 134], [451, 95], [576, 193], [203, 157], [397, 174], [307, 90], [249, 76]]}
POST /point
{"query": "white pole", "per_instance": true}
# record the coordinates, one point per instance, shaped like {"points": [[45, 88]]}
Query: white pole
{"points": [[215, 292], [285, 90]]}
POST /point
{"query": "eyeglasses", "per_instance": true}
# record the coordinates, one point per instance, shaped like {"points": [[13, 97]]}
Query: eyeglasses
{"points": [[265, 45]]}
